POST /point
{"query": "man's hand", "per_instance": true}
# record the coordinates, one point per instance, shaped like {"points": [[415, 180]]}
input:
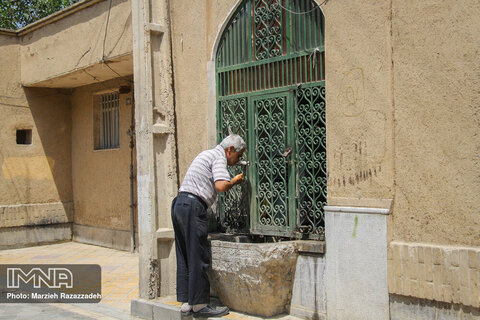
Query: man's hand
{"points": [[238, 178], [222, 185]]}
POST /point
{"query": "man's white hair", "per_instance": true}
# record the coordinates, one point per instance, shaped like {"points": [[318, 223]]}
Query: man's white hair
{"points": [[233, 140]]}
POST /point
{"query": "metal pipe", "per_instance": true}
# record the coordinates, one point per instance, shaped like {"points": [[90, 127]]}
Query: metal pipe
{"points": [[131, 133]]}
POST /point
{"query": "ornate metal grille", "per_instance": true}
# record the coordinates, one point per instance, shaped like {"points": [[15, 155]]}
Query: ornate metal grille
{"points": [[234, 205], [267, 16], [271, 90], [271, 167], [311, 159]]}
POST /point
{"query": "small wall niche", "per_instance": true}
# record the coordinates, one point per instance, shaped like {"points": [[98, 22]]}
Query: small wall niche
{"points": [[24, 136]]}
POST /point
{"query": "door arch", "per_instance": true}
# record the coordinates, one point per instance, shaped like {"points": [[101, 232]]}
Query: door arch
{"points": [[271, 90]]}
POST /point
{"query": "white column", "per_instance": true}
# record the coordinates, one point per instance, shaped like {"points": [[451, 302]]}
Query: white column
{"points": [[356, 263]]}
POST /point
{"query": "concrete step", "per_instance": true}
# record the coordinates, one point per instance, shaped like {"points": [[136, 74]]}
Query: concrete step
{"points": [[167, 308]]}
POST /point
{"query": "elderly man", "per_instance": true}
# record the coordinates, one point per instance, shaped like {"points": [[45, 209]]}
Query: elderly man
{"points": [[206, 176]]}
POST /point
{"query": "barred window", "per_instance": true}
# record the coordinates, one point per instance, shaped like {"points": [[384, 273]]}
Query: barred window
{"points": [[106, 113]]}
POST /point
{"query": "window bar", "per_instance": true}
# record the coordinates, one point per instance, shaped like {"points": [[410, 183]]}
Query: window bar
{"points": [[296, 71], [304, 24], [310, 65], [242, 80], [227, 53], [322, 66], [112, 117], [300, 25], [301, 68], [239, 48], [289, 71], [264, 81], [316, 25], [235, 82], [224, 51], [236, 46], [242, 37], [104, 121], [237, 42], [229, 44], [309, 23], [104, 124], [245, 80], [251, 74], [295, 26], [319, 67], [112, 112], [110, 120], [231, 49], [319, 27], [98, 102], [274, 74], [107, 123], [115, 121], [254, 78], [117, 112], [225, 79], [222, 82], [268, 76], [277, 67]]}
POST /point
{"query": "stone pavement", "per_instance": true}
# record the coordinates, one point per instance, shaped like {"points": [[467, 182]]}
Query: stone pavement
{"points": [[119, 286], [167, 308], [119, 281]]}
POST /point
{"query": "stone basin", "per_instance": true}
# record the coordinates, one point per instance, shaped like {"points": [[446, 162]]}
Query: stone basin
{"points": [[255, 278]]}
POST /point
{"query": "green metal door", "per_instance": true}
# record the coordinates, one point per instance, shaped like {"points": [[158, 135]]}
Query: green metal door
{"points": [[271, 90], [272, 171]]}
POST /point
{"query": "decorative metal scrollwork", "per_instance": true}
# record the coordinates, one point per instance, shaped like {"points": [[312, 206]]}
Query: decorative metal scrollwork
{"points": [[267, 29], [311, 159], [270, 136], [234, 204]]}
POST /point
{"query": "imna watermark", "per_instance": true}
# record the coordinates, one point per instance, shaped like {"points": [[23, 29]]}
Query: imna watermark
{"points": [[50, 283]]}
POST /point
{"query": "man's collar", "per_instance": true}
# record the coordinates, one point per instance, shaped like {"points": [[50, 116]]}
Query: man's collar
{"points": [[220, 148]]}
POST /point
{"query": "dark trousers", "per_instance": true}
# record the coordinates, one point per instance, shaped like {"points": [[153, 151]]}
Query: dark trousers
{"points": [[190, 224]]}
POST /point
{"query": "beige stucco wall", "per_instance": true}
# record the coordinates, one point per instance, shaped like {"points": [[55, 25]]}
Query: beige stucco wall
{"points": [[358, 91], [193, 41], [402, 110], [101, 182], [359, 108], [77, 41], [38, 174], [437, 131]]}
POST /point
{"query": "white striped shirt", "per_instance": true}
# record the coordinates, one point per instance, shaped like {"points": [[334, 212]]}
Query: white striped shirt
{"points": [[209, 166]]}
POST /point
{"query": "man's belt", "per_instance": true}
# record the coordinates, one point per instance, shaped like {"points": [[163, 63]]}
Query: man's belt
{"points": [[192, 196]]}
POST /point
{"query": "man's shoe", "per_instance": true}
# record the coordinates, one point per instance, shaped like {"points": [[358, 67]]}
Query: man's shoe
{"points": [[209, 311], [186, 313]]}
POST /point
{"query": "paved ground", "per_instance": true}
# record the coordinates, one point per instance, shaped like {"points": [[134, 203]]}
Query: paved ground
{"points": [[119, 284], [119, 281]]}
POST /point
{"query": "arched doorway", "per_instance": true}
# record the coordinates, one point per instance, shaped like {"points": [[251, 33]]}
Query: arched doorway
{"points": [[271, 91]]}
